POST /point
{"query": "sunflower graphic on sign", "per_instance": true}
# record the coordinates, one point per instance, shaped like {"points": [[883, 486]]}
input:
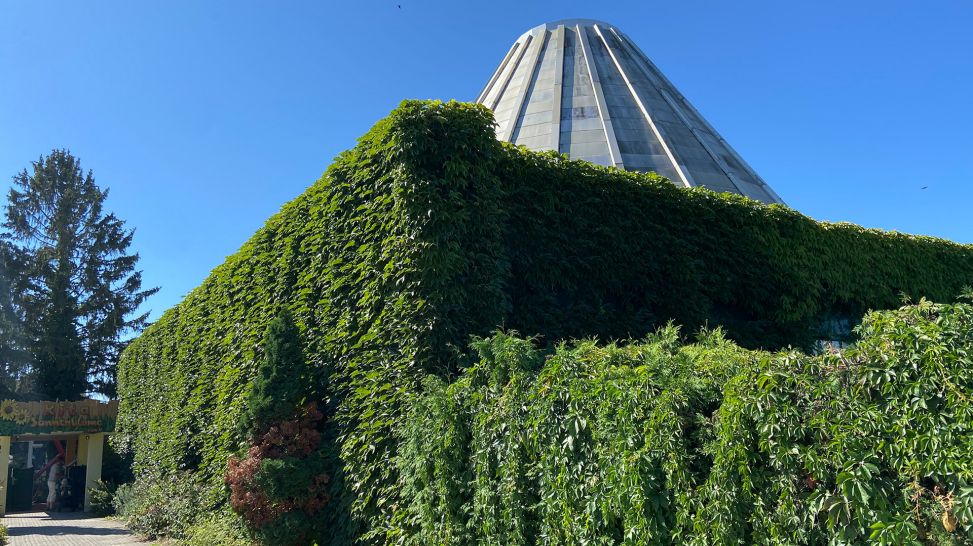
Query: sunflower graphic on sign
{"points": [[8, 409]]}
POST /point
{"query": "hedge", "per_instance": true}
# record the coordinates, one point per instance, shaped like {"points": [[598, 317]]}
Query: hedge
{"points": [[430, 231], [658, 443]]}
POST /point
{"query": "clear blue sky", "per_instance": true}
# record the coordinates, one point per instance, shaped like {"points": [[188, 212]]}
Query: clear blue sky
{"points": [[204, 117]]}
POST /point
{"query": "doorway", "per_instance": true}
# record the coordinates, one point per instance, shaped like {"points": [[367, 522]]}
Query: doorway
{"points": [[40, 467]]}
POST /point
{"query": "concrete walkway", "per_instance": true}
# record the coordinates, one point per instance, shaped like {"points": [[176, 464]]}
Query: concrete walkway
{"points": [[66, 529]]}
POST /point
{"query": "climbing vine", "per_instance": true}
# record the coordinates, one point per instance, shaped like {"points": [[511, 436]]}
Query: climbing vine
{"points": [[429, 232]]}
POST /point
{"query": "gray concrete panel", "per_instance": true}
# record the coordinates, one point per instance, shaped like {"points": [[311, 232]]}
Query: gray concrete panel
{"points": [[528, 131], [580, 124]]}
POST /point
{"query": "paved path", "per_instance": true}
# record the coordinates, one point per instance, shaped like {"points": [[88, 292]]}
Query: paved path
{"points": [[66, 529]]}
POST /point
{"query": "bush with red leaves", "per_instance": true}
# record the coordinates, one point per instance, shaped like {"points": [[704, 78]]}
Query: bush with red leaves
{"points": [[281, 476]]}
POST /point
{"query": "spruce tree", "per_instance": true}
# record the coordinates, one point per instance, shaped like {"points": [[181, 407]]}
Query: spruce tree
{"points": [[14, 357], [79, 289]]}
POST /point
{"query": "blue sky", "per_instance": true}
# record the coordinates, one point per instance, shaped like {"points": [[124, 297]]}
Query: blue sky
{"points": [[205, 117]]}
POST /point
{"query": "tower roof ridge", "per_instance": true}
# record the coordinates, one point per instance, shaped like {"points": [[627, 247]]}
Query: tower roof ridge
{"points": [[569, 23]]}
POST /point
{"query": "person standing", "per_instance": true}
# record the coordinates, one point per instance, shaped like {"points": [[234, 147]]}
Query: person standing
{"points": [[54, 475]]}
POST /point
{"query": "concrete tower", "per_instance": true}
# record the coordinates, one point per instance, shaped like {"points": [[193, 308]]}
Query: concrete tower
{"points": [[583, 88]]}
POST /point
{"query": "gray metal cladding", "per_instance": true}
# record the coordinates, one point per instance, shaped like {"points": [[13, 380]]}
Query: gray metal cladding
{"points": [[583, 88]]}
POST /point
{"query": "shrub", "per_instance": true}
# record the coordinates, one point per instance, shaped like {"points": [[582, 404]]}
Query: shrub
{"points": [[872, 443], [4, 534], [217, 529], [657, 443], [589, 445], [281, 486], [101, 497], [162, 505]]}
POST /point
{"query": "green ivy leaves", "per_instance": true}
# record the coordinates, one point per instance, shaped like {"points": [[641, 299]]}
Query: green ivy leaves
{"points": [[430, 231], [699, 444]]}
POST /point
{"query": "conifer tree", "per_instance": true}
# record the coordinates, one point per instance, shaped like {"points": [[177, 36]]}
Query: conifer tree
{"points": [[282, 484], [14, 357], [281, 384], [79, 289]]}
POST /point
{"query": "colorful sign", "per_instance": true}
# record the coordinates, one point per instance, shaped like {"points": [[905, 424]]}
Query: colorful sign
{"points": [[45, 417]]}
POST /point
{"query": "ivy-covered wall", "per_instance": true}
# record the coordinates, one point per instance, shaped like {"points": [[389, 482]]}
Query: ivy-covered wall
{"points": [[615, 254], [430, 231]]}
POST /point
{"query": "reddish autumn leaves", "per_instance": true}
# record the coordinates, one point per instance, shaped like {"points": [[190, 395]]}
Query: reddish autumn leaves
{"points": [[291, 443]]}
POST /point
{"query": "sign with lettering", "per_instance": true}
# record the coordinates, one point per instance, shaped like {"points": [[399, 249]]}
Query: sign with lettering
{"points": [[46, 417]]}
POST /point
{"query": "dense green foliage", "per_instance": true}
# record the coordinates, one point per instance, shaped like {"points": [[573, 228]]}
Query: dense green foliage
{"points": [[159, 504], [283, 381], [871, 442], [430, 231], [101, 497], [614, 254], [363, 261], [281, 485], [174, 505], [14, 354], [656, 443], [595, 445], [66, 273], [217, 530]]}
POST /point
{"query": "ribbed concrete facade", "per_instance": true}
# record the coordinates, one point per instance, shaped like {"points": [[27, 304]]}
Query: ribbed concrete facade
{"points": [[583, 88]]}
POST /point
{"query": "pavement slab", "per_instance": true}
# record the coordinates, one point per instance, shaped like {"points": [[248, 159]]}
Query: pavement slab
{"points": [[66, 529]]}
